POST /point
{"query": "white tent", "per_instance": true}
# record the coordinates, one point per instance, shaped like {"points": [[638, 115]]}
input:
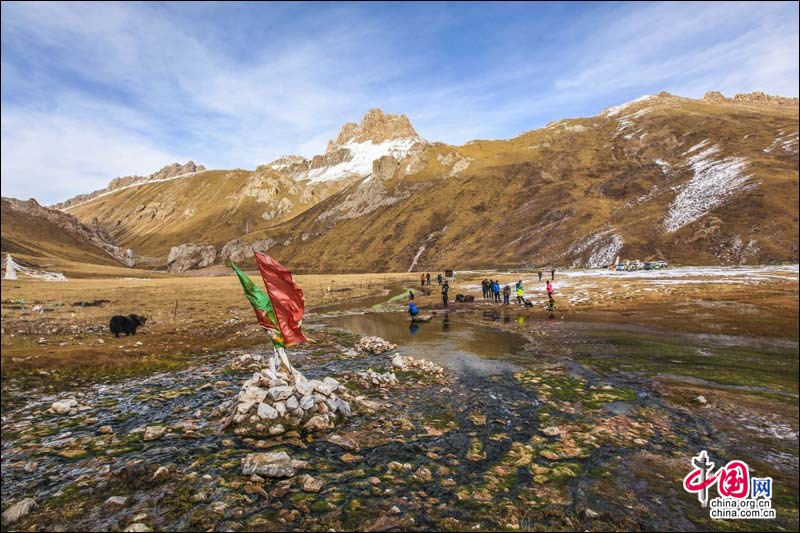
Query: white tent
{"points": [[14, 269]]}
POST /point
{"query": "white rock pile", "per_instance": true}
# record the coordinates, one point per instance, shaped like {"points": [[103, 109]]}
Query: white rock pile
{"points": [[369, 378], [68, 406], [375, 345], [408, 363], [267, 406]]}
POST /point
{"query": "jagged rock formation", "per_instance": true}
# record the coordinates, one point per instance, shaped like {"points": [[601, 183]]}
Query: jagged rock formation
{"points": [[169, 171], [237, 251], [189, 256]]}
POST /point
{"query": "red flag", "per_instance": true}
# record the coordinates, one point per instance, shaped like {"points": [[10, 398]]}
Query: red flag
{"points": [[287, 298]]}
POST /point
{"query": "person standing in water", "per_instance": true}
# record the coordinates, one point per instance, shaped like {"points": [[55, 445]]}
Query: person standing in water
{"points": [[422, 280], [439, 279], [553, 274], [549, 289], [428, 278], [540, 275], [410, 295], [445, 289], [506, 294], [496, 290], [520, 293]]}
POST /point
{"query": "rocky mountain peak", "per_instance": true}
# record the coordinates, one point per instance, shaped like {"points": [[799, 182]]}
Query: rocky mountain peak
{"points": [[757, 97], [376, 126]]}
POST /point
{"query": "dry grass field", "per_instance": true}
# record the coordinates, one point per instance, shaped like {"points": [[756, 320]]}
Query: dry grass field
{"points": [[186, 315]]}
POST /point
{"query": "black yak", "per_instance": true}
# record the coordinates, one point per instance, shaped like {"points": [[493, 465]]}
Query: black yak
{"points": [[126, 324]]}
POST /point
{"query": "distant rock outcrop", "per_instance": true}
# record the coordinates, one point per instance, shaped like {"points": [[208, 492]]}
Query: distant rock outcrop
{"points": [[169, 171], [237, 250], [190, 256], [756, 97]]}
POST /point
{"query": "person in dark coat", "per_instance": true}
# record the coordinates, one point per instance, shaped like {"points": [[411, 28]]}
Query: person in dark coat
{"points": [[428, 278], [445, 289], [553, 274], [439, 279], [540, 275], [506, 294]]}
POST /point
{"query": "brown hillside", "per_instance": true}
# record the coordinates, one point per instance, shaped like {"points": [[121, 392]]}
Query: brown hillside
{"points": [[708, 181]]}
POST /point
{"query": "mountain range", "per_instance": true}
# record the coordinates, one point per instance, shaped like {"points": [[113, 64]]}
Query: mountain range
{"points": [[691, 181]]}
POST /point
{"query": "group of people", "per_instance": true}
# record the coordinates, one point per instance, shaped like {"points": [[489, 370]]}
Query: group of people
{"points": [[425, 279], [490, 288]]}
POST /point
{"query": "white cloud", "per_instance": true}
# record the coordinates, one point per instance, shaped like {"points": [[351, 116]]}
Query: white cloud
{"points": [[96, 91], [57, 155]]}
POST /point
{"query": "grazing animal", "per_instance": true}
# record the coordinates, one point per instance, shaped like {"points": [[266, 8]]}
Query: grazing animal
{"points": [[528, 303], [126, 324], [459, 297], [469, 298]]}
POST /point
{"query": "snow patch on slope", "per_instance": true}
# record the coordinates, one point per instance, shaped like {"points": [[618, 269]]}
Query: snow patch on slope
{"points": [[786, 141], [605, 246], [714, 182], [615, 110], [361, 157]]}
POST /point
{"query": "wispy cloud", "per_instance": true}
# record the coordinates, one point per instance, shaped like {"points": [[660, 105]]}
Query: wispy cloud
{"points": [[93, 91]]}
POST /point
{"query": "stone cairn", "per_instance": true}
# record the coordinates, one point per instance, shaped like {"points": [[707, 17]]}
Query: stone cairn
{"points": [[266, 406]]}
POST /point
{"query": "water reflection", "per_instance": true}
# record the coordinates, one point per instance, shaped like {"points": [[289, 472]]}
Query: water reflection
{"points": [[459, 346]]}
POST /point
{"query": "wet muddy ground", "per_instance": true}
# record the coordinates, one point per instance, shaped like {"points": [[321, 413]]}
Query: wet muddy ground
{"points": [[538, 424]]}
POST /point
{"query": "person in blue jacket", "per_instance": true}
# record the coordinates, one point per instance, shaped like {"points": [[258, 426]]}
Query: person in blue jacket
{"points": [[412, 310]]}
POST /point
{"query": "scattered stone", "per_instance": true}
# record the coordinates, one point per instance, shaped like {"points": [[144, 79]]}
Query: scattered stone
{"points": [[318, 424], [161, 471], [277, 429], [116, 501], [137, 526], [105, 430], [701, 400], [219, 507], [277, 464], [351, 458], [31, 467], [18, 510], [311, 484], [154, 432], [64, 406], [591, 515], [394, 510], [343, 442], [551, 431]]}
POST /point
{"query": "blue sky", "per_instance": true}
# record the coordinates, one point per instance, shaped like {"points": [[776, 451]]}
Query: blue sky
{"points": [[95, 91]]}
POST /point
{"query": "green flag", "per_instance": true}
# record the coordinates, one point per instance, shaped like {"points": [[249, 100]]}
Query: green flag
{"points": [[262, 306]]}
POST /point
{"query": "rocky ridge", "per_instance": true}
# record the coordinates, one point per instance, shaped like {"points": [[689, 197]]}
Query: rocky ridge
{"points": [[94, 233], [169, 171]]}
